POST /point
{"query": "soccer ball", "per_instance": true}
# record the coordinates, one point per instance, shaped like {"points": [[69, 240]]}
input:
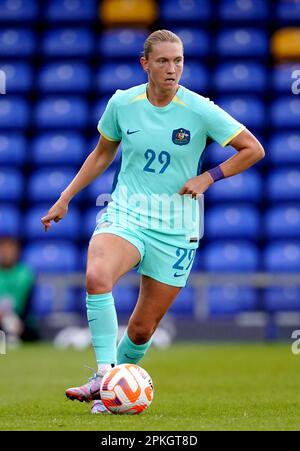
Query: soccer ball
{"points": [[126, 389]]}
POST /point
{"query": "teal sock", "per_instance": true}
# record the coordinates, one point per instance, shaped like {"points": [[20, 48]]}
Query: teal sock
{"points": [[103, 324], [129, 352]]}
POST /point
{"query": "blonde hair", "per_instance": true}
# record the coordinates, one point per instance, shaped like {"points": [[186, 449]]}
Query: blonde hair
{"points": [[160, 36]]}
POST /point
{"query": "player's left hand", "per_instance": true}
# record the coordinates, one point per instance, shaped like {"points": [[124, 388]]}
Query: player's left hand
{"points": [[197, 185]]}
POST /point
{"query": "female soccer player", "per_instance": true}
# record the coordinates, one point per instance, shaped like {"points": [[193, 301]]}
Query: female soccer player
{"points": [[163, 128]]}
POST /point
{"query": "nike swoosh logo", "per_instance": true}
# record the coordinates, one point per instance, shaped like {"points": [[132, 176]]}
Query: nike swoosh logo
{"points": [[134, 131], [90, 320], [128, 357], [178, 275]]}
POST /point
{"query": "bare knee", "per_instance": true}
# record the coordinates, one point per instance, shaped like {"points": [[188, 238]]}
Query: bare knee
{"points": [[98, 280], [141, 331]]}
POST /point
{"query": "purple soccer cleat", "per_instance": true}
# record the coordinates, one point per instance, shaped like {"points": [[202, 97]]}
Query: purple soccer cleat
{"points": [[99, 407], [87, 392]]}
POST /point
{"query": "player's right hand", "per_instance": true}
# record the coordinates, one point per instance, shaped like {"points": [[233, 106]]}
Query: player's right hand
{"points": [[56, 213]]}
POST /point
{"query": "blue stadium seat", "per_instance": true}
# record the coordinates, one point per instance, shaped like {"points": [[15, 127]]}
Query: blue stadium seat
{"points": [[216, 154], [232, 221], [10, 220], [283, 76], [243, 11], [240, 76], [46, 184], [13, 147], [18, 10], [99, 109], [83, 258], [11, 185], [184, 304], [71, 10], [81, 299], [288, 11], [112, 76], [102, 185], [195, 77], [198, 261], [16, 42], [283, 221], [184, 11], [14, 112], [94, 141], [61, 112], [282, 256], [124, 42], [77, 42], [89, 221], [19, 77], [282, 299], [51, 256], [230, 299], [242, 42], [284, 148], [65, 77], [69, 228], [249, 110], [67, 148], [44, 301], [196, 42], [246, 186], [231, 256], [125, 298], [284, 184], [285, 112]]}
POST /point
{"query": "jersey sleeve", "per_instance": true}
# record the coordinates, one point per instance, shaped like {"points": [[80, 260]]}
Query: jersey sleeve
{"points": [[108, 125], [221, 127]]}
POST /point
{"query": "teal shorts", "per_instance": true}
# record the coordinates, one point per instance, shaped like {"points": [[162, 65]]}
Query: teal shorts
{"points": [[166, 258]]}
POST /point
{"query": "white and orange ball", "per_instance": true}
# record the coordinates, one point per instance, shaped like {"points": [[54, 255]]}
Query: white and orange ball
{"points": [[126, 389]]}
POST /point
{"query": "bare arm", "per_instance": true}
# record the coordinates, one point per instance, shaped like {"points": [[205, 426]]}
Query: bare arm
{"points": [[250, 151], [95, 164]]}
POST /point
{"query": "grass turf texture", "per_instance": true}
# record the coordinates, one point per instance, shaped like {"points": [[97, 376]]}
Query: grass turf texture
{"points": [[197, 387]]}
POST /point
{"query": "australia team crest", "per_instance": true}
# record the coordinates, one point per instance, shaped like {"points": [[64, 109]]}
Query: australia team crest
{"points": [[181, 136]]}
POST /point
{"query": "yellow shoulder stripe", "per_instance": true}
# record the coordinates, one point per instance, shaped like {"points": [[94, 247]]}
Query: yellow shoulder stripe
{"points": [[233, 136], [107, 137], [139, 97], [177, 100]]}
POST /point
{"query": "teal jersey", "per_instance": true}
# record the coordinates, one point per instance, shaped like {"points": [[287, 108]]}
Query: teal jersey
{"points": [[161, 151]]}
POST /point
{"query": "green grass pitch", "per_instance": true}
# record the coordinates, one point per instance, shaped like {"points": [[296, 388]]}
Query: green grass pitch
{"points": [[197, 387]]}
